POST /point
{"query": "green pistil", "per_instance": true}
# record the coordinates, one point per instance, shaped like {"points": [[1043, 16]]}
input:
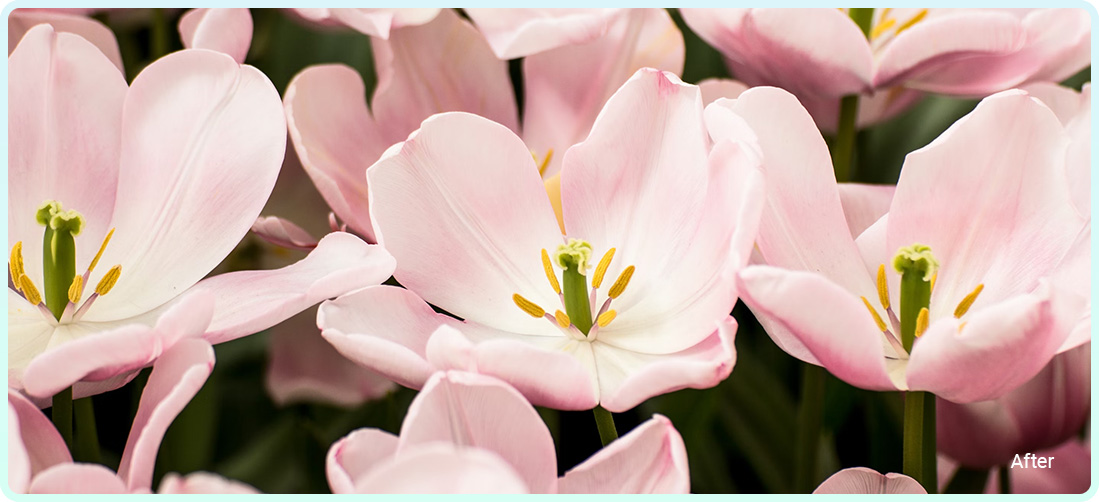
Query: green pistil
{"points": [[58, 253], [917, 267], [574, 258]]}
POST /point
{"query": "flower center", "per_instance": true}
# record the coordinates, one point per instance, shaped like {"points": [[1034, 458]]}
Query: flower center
{"points": [[577, 300], [63, 287]]}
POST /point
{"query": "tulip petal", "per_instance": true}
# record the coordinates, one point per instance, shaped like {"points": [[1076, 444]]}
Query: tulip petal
{"points": [[465, 179], [566, 88], [222, 30], [715, 88], [176, 378], [29, 333], [20, 21], [442, 66], [472, 410], [863, 480], [380, 22], [65, 126], [864, 204], [650, 459], [203, 142], [515, 33], [355, 455], [284, 233], [78, 479], [41, 442], [19, 463], [442, 469], [1065, 42], [203, 483]]}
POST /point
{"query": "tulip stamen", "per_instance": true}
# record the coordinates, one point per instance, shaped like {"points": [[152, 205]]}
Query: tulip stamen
{"points": [[967, 302]]}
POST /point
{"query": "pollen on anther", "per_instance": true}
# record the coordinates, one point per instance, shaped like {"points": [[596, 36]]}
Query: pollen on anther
{"points": [[109, 280], [562, 319], [29, 291], [528, 306], [605, 318], [883, 288], [548, 266], [874, 314], [601, 269], [102, 247], [15, 265], [621, 283], [76, 289], [922, 321], [967, 302]]}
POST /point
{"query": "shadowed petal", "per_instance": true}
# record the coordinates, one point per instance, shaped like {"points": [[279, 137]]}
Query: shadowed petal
{"points": [[650, 459], [862, 480]]}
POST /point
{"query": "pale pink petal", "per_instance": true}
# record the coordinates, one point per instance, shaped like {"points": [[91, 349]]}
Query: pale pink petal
{"points": [[442, 469], [974, 196], [20, 21], [335, 137], [650, 459], [355, 455], [514, 33], [999, 348], [832, 325], [380, 22], [284, 233], [1073, 278], [1065, 36], [42, 443], [176, 378], [64, 123], [714, 88], [644, 184], [1065, 102], [304, 368], [19, 463], [864, 204], [855, 480], [78, 478], [1078, 159], [29, 333], [251, 301], [203, 483], [565, 88], [222, 30], [103, 355], [474, 183], [472, 410], [627, 378], [818, 53], [442, 66], [203, 142]]}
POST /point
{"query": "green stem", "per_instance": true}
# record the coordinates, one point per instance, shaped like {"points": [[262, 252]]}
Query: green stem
{"points": [[59, 262], [62, 415], [605, 422], [86, 448], [919, 439], [810, 417], [846, 128], [159, 34], [1005, 479], [915, 296], [575, 289]]}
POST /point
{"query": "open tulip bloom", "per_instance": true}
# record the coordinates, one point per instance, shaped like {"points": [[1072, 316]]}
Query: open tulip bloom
{"points": [[631, 302]]}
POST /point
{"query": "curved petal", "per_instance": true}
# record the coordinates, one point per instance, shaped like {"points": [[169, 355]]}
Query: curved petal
{"points": [[829, 322], [442, 469], [203, 140], [78, 478], [471, 410], [29, 333], [203, 483], [41, 442], [515, 33], [380, 22], [1065, 102], [627, 378], [175, 379], [650, 459], [974, 197], [20, 21], [65, 127], [715, 88], [461, 207], [284, 233], [304, 368], [1078, 160], [565, 88], [19, 463], [442, 66], [251, 301], [863, 480], [864, 204], [1066, 34], [107, 354], [222, 30], [355, 455]]}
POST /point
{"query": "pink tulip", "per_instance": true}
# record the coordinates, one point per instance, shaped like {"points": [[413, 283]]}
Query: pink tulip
{"points": [[1000, 228], [476, 237], [20, 21], [1069, 471], [222, 30], [861, 480], [374, 22], [39, 462], [515, 33], [469, 433], [157, 183]]}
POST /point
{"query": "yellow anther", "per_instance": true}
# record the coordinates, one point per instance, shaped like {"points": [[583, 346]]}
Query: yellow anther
{"points": [[528, 306], [967, 302], [874, 314], [883, 288], [108, 281], [605, 318], [95, 260], [545, 162], [76, 289], [29, 291], [885, 12], [621, 283], [882, 27], [601, 269], [921, 322], [912, 22], [562, 319], [15, 265], [549, 272]]}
